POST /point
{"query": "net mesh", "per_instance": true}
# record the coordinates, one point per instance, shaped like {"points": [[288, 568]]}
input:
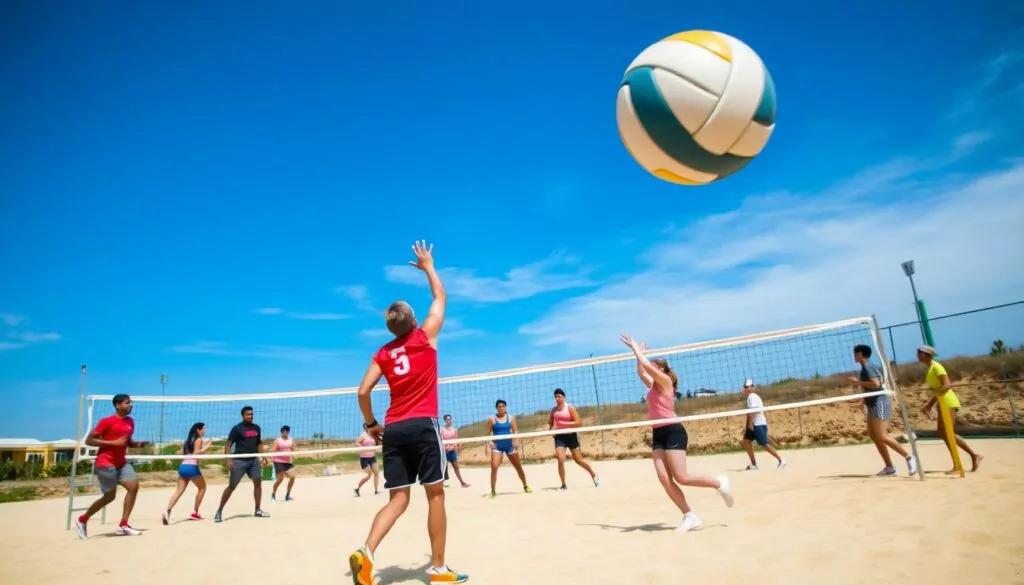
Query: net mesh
{"points": [[605, 391]]}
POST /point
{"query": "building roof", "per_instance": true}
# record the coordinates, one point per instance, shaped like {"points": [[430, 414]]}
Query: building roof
{"points": [[36, 443]]}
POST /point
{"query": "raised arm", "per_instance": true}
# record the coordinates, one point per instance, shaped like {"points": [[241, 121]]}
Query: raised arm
{"points": [[425, 262], [370, 378], [644, 376], [644, 365]]}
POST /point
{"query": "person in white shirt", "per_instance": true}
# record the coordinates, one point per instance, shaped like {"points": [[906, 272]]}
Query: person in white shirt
{"points": [[757, 428]]}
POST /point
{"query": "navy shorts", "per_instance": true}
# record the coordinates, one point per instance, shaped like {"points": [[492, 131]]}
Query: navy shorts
{"points": [[758, 434], [280, 468], [452, 456], [568, 441], [365, 462], [188, 471], [507, 447], [672, 437]]}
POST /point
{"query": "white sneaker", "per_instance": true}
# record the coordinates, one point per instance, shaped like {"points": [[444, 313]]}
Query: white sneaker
{"points": [[127, 531], [725, 490], [781, 465], [752, 467], [912, 465], [80, 528], [690, 522]]}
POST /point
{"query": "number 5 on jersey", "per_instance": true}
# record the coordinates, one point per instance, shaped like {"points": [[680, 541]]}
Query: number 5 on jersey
{"points": [[401, 360]]}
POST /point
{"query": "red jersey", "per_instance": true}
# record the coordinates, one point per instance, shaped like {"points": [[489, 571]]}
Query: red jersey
{"points": [[409, 364], [108, 429]]}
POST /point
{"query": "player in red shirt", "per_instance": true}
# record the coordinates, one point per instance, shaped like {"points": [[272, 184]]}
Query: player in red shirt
{"points": [[411, 446], [112, 436]]}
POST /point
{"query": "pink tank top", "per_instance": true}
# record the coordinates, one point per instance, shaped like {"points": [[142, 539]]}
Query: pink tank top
{"points": [[367, 441], [562, 417], [660, 405], [449, 433], [190, 460], [282, 445]]}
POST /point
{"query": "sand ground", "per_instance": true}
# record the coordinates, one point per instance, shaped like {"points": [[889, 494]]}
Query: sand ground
{"points": [[822, 519]]}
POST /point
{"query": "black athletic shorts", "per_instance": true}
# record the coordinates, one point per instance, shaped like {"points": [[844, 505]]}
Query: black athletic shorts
{"points": [[568, 440], [412, 450], [672, 437]]}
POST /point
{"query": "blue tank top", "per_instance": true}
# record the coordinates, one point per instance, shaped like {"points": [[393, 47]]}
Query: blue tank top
{"points": [[503, 428]]}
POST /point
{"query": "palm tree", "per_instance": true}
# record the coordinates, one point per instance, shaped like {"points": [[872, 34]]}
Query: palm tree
{"points": [[998, 348]]}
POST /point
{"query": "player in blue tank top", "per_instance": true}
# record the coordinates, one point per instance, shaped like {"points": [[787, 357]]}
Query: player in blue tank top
{"points": [[504, 423]]}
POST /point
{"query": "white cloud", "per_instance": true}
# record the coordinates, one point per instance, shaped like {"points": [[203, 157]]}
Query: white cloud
{"points": [[277, 352], [786, 260], [13, 320], [274, 311], [559, 271], [22, 339], [453, 329], [993, 87], [33, 337], [358, 294]]}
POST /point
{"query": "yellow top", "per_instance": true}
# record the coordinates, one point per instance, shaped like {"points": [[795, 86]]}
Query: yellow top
{"points": [[933, 378]]}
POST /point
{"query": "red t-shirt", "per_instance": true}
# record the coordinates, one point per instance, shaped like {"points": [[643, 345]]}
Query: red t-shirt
{"points": [[108, 429], [409, 364]]}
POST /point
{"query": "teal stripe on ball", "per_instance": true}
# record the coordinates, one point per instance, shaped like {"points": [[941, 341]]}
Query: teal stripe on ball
{"points": [[765, 114], [668, 133]]}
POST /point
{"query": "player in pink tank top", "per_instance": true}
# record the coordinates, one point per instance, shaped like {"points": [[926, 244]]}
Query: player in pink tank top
{"points": [[368, 463], [669, 439], [283, 464], [451, 452], [565, 416]]}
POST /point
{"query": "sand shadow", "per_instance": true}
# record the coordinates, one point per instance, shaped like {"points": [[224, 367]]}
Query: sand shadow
{"points": [[855, 476], [116, 535], [659, 527], [396, 574]]}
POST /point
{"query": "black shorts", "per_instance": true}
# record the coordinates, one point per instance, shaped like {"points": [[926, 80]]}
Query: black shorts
{"points": [[672, 437], [569, 441], [412, 450], [280, 468], [243, 467]]}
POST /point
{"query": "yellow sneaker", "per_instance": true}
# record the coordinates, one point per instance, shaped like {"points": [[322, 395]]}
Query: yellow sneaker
{"points": [[527, 489], [446, 575], [361, 563]]}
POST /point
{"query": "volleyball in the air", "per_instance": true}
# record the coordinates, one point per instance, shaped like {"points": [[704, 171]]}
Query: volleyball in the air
{"points": [[696, 107]]}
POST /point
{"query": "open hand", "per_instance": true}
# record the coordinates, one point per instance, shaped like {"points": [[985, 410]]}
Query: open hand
{"points": [[424, 255], [625, 338]]}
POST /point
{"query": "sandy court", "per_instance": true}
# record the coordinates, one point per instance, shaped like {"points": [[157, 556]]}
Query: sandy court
{"points": [[820, 520]]}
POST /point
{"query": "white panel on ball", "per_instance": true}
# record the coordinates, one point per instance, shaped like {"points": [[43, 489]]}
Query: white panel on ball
{"points": [[753, 140], [695, 64], [691, 105], [739, 100]]}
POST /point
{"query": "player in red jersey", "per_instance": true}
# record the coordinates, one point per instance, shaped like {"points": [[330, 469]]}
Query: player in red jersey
{"points": [[112, 436], [411, 446]]}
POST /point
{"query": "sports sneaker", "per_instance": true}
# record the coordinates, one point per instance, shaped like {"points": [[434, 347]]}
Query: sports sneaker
{"points": [[911, 465], [725, 490], [289, 498], [216, 517], [527, 489], [752, 467], [597, 481], [446, 575], [690, 522], [261, 514], [195, 516], [361, 563], [563, 488], [273, 498], [126, 530], [886, 472], [781, 465], [166, 518], [81, 530]]}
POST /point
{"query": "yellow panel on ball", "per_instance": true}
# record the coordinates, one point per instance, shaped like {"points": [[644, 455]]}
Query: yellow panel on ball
{"points": [[667, 175], [707, 39]]}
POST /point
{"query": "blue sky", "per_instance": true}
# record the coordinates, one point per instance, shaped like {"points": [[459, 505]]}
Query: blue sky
{"points": [[227, 193]]}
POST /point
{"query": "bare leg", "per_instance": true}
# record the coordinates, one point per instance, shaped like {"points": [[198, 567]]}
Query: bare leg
{"points": [[577, 456], [458, 473], [437, 522], [749, 448], [514, 459], [385, 519], [132, 488], [201, 485], [277, 483], [495, 462], [376, 478], [182, 484], [291, 482], [257, 492], [875, 434], [366, 478], [771, 451], [560, 455], [677, 465], [100, 503], [661, 467]]}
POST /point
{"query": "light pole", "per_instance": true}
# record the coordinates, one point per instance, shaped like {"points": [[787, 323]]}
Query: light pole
{"points": [[922, 314], [163, 393]]}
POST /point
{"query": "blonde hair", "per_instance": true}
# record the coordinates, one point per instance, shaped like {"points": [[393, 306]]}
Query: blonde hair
{"points": [[664, 367], [400, 318]]}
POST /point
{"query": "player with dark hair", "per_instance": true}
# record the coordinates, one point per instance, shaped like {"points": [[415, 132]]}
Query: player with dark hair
{"points": [[503, 423], [284, 465], [189, 471], [411, 446], [112, 436], [878, 411], [246, 438], [565, 416]]}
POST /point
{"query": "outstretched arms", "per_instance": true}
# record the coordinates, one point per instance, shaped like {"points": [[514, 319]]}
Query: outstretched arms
{"points": [[425, 262], [645, 369]]}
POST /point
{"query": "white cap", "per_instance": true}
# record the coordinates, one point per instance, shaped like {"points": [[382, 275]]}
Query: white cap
{"points": [[749, 383]]}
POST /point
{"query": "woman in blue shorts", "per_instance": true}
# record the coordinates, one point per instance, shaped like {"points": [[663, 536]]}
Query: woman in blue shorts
{"points": [[504, 423], [189, 471]]}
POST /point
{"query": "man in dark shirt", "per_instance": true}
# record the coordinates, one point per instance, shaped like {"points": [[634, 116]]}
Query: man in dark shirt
{"points": [[245, 437], [878, 411]]}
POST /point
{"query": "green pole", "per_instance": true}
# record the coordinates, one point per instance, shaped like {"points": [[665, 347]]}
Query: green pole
{"points": [[925, 324]]}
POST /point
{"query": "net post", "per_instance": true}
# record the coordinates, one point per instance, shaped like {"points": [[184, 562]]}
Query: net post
{"points": [[597, 398], [876, 335], [78, 446]]}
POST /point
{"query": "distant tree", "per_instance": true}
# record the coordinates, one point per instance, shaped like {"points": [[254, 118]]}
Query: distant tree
{"points": [[689, 393], [998, 348]]}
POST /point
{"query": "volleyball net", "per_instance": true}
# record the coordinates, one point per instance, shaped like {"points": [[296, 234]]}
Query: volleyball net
{"points": [[794, 369]]}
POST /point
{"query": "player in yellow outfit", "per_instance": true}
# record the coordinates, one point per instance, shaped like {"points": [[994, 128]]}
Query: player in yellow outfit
{"points": [[941, 389]]}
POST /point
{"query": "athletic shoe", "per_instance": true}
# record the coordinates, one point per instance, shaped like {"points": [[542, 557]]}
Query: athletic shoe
{"points": [[356, 492], [781, 465], [597, 481], [886, 472], [166, 519], [563, 488], [289, 498], [217, 518], [752, 467], [127, 530], [273, 498], [911, 465], [725, 490], [361, 563], [80, 528], [690, 522], [527, 489], [446, 575], [491, 496], [195, 516], [261, 514]]}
